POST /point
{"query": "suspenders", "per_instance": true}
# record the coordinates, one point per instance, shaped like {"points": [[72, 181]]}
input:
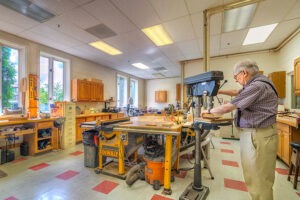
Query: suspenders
{"points": [[239, 112]]}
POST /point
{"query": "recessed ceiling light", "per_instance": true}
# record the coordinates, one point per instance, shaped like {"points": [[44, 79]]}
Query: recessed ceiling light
{"points": [[259, 34], [105, 48], [140, 65], [158, 35], [238, 18]]}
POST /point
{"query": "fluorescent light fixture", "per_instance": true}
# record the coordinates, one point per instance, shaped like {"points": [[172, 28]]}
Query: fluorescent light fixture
{"points": [[158, 35], [140, 66], [238, 18], [29, 9], [105, 48], [259, 34]]}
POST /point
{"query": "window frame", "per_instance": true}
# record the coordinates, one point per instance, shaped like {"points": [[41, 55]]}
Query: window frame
{"points": [[136, 97], [66, 75], [22, 71], [125, 94]]}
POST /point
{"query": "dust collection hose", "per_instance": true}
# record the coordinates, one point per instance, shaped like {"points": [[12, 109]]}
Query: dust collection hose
{"points": [[135, 173]]}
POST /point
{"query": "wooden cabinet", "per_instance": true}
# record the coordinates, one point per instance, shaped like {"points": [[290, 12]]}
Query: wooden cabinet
{"points": [[46, 138], [161, 96], [81, 90], [297, 77], [84, 90], [278, 78], [286, 135], [97, 89], [178, 92]]}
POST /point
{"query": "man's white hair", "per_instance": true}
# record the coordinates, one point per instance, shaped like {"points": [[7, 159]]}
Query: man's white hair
{"points": [[248, 65]]}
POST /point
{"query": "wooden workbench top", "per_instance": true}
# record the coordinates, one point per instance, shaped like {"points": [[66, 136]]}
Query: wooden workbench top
{"points": [[93, 115], [24, 121]]}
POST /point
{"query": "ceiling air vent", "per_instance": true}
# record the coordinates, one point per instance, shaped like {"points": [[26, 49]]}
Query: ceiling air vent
{"points": [[160, 69], [158, 75], [27, 8], [101, 31]]}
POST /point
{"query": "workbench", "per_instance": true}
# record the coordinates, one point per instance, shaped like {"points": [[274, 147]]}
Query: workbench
{"points": [[161, 125]]}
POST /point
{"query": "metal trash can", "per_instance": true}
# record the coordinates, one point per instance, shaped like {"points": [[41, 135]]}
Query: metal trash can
{"points": [[89, 140]]}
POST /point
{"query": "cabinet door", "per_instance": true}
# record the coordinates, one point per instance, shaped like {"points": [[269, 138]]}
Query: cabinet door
{"points": [[278, 78], [78, 129], [280, 139], [94, 91], [297, 77], [286, 147]]}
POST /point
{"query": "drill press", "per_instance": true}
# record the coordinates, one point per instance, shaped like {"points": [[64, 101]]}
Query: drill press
{"points": [[203, 87]]}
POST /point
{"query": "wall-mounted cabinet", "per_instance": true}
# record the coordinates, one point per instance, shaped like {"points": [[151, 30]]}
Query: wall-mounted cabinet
{"points": [[297, 77], [84, 90], [278, 78], [161, 96]]}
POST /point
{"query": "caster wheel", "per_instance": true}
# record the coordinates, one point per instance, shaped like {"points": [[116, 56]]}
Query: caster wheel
{"points": [[172, 178], [97, 171], [156, 185]]}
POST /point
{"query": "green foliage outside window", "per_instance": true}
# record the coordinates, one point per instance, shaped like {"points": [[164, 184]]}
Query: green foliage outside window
{"points": [[8, 78]]}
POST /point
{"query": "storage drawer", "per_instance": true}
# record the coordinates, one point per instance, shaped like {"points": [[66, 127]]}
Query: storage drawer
{"points": [[42, 125], [283, 127]]}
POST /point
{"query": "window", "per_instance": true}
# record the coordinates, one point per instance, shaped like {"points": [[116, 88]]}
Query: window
{"points": [[10, 73], [121, 91], [295, 99], [52, 81], [134, 92]]}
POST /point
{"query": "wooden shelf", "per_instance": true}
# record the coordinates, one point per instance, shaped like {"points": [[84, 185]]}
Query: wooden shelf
{"points": [[44, 138], [46, 149]]}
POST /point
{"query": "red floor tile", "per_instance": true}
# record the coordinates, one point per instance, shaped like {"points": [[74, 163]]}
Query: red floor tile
{"points": [[11, 198], [282, 171], [233, 184], [67, 175], [105, 187], [230, 163], [19, 160], [76, 153], [39, 166], [225, 143], [298, 193], [158, 197], [182, 174], [227, 151]]}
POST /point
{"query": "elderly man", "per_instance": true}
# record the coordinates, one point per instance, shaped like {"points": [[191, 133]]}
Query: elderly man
{"points": [[256, 104]]}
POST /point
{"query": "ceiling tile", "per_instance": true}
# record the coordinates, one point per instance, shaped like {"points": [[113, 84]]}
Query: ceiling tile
{"points": [[57, 7], [233, 39], [271, 11], [197, 21], [185, 32], [190, 49], [294, 12], [108, 14], [140, 12], [81, 18], [198, 6], [11, 28], [169, 9]]}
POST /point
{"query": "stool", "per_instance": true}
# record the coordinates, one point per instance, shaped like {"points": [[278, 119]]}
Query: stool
{"points": [[295, 162]]}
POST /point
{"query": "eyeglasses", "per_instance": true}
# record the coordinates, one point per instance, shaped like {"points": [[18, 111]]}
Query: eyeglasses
{"points": [[235, 76]]}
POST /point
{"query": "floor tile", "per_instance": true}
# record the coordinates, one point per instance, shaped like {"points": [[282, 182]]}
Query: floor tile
{"points": [[230, 163], [39, 166], [76, 153], [67, 175], [159, 197], [11, 198], [19, 159], [298, 193], [182, 174], [225, 142], [282, 171], [227, 151], [233, 184], [105, 187]]}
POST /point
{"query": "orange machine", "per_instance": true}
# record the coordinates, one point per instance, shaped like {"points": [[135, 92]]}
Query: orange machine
{"points": [[154, 172]]}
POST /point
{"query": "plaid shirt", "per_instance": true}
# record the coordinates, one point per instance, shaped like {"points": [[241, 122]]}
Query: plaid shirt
{"points": [[257, 102]]}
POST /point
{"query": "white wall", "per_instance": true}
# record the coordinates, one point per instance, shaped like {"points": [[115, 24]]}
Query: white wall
{"points": [[168, 84], [80, 68], [287, 55]]}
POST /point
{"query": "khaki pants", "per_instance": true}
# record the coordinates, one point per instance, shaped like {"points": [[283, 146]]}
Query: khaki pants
{"points": [[258, 157]]}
